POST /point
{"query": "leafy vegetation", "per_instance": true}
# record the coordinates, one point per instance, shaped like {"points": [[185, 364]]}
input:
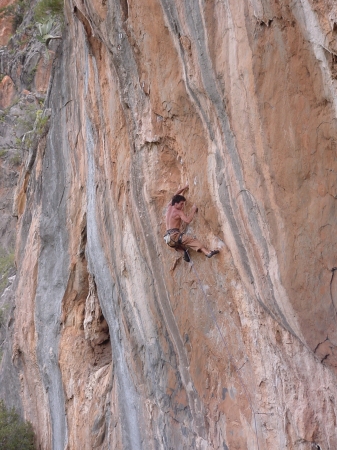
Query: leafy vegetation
{"points": [[3, 313], [16, 159], [44, 35], [36, 131], [41, 122], [6, 264], [31, 76], [15, 434], [44, 30], [46, 8]]}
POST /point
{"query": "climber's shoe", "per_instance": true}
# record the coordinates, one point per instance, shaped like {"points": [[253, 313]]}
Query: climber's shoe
{"points": [[212, 253], [186, 256]]}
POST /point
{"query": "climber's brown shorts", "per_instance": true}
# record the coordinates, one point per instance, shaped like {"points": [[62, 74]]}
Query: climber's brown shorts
{"points": [[187, 240]]}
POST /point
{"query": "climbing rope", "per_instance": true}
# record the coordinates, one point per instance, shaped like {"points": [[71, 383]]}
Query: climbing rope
{"points": [[230, 356]]}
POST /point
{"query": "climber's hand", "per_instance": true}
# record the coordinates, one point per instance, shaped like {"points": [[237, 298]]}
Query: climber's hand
{"points": [[181, 190]]}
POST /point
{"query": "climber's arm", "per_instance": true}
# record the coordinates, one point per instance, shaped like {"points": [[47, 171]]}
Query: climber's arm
{"points": [[180, 191], [189, 218]]}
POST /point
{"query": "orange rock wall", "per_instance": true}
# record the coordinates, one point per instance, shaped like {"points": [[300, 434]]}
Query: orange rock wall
{"points": [[6, 27], [122, 344]]}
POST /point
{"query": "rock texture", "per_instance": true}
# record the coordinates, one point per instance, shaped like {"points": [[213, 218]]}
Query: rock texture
{"points": [[25, 72], [118, 342], [6, 25]]}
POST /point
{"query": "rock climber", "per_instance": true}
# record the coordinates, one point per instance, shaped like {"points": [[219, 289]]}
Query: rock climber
{"points": [[176, 238]]}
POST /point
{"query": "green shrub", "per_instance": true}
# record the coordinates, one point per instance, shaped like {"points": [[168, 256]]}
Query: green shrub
{"points": [[15, 434], [41, 122], [16, 159], [6, 261], [30, 78], [6, 264], [3, 153], [4, 314], [46, 8]]}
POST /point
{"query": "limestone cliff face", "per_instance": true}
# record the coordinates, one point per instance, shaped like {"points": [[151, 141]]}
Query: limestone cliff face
{"points": [[121, 344]]}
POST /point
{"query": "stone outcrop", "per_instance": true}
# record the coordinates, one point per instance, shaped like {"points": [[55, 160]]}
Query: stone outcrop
{"points": [[6, 25], [24, 70], [118, 342]]}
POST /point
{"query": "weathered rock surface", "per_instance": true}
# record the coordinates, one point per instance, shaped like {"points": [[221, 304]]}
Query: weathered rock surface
{"points": [[6, 25], [22, 125], [118, 342]]}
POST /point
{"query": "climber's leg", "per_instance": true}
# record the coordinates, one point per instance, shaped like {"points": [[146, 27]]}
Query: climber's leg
{"points": [[212, 253], [192, 243], [196, 245], [184, 242]]}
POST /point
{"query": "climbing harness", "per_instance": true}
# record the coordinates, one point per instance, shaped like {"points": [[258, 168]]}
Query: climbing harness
{"points": [[230, 356], [169, 241], [177, 244]]}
